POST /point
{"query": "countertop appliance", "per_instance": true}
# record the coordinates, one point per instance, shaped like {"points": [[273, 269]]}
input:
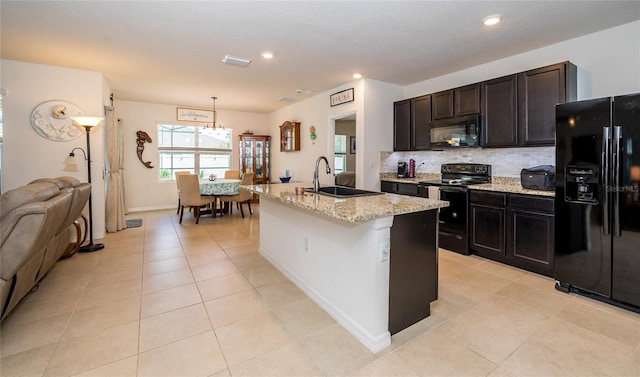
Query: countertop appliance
{"points": [[455, 132], [453, 231], [403, 169], [412, 168], [597, 229]]}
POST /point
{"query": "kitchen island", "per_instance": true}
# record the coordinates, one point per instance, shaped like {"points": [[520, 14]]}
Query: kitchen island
{"points": [[369, 261]]}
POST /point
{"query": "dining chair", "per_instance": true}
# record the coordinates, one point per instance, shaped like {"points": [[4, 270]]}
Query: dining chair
{"points": [[190, 195], [244, 196], [178, 183], [232, 174]]}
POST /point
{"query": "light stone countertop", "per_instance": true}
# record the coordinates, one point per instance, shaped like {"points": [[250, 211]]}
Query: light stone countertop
{"points": [[351, 210], [514, 189], [499, 184]]}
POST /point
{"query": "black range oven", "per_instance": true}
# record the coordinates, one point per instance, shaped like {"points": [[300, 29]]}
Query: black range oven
{"points": [[453, 231]]}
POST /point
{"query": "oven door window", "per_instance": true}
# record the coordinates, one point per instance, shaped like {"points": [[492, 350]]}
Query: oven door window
{"points": [[454, 218]]}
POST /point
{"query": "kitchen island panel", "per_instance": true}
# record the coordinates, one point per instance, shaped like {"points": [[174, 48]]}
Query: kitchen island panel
{"points": [[339, 265]]}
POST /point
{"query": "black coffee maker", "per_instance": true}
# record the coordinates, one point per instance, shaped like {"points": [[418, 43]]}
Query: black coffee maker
{"points": [[403, 169]]}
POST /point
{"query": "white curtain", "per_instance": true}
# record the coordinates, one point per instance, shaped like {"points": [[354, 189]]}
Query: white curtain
{"points": [[115, 204]]}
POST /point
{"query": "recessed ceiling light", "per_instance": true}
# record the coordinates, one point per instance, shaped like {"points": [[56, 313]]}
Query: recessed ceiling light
{"points": [[357, 75], [492, 20], [267, 55]]}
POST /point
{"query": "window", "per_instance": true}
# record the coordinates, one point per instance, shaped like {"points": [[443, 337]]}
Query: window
{"points": [[339, 156], [193, 148]]}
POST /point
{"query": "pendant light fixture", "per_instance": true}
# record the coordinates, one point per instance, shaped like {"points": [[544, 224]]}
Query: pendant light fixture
{"points": [[215, 116]]}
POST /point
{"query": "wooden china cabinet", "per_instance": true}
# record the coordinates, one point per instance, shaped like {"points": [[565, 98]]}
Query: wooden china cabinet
{"points": [[254, 156]]}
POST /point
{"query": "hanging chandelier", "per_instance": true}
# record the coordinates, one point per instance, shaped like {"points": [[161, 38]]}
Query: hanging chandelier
{"points": [[215, 116]]}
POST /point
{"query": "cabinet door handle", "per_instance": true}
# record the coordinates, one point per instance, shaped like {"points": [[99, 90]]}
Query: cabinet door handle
{"points": [[606, 138], [617, 137], [450, 235]]}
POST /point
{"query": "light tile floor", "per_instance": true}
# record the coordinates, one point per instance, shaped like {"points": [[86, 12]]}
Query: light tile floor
{"points": [[198, 300]]}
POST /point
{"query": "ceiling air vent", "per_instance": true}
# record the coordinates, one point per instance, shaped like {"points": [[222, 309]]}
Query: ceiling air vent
{"points": [[236, 60], [287, 99]]}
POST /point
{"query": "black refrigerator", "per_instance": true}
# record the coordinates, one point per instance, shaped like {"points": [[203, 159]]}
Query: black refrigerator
{"points": [[597, 225]]}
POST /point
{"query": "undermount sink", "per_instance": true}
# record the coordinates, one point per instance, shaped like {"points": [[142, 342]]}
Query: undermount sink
{"points": [[343, 192]]}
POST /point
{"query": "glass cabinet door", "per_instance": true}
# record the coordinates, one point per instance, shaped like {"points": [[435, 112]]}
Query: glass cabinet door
{"points": [[259, 159], [254, 156]]}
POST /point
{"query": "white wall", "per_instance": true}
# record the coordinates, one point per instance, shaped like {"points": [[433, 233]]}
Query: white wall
{"points": [[314, 111], [373, 108], [27, 155], [608, 64], [143, 189]]}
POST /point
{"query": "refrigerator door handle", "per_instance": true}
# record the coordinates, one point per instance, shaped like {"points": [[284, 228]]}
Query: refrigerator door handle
{"points": [[606, 138], [617, 138]]}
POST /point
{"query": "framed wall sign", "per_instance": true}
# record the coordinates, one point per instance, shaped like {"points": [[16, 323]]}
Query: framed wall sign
{"points": [[187, 114], [341, 97]]}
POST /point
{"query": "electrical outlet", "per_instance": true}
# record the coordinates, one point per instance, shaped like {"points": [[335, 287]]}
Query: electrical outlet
{"points": [[385, 249]]}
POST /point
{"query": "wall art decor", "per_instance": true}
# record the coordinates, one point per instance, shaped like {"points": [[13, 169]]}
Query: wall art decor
{"points": [[52, 120], [312, 134], [142, 137], [341, 97], [186, 114]]}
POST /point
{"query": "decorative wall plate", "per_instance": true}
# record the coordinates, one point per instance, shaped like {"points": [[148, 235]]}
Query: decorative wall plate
{"points": [[52, 120]]}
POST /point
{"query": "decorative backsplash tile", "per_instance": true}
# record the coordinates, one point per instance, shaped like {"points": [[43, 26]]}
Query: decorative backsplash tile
{"points": [[505, 162]]}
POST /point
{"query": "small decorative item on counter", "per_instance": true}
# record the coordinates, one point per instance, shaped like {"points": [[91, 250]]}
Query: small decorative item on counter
{"points": [[285, 179], [212, 177], [312, 134]]}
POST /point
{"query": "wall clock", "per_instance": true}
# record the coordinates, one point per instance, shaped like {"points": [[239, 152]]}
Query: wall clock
{"points": [[52, 120]]}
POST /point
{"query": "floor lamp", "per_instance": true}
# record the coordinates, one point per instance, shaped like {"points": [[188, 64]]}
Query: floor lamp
{"points": [[71, 164]]}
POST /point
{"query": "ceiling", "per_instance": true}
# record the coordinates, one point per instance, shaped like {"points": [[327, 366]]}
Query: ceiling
{"points": [[171, 52]]}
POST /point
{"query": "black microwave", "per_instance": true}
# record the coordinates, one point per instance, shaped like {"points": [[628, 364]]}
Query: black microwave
{"points": [[455, 132]]}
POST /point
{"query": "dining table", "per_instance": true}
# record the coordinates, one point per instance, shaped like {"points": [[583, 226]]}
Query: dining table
{"points": [[219, 187]]}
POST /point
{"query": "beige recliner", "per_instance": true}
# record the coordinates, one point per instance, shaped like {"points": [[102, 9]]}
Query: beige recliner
{"points": [[68, 236], [30, 217]]}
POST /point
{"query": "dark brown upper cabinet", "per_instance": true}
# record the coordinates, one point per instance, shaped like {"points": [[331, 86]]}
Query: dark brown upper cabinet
{"points": [[467, 100], [499, 112], [442, 104], [411, 124], [539, 91], [420, 118], [402, 125], [516, 110]]}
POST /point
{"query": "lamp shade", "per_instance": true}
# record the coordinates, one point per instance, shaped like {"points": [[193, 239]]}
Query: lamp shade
{"points": [[70, 163], [86, 121]]}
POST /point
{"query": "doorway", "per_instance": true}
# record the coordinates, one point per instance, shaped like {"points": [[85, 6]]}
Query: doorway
{"points": [[344, 150]]}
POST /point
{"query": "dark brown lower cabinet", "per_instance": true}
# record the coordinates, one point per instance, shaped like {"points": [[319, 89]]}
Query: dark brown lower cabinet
{"points": [[413, 268], [530, 240], [514, 229], [488, 224], [399, 188]]}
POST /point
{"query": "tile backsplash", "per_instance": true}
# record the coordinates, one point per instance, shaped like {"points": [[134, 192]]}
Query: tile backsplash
{"points": [[505, 162]]}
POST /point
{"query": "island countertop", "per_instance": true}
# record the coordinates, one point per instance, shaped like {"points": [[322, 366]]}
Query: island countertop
{"points": [[352, 210]]}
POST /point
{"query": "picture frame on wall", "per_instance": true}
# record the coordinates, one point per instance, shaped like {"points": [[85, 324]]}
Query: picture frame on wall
{"points": [[341, 97], [352, 144], [187, 114]]}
